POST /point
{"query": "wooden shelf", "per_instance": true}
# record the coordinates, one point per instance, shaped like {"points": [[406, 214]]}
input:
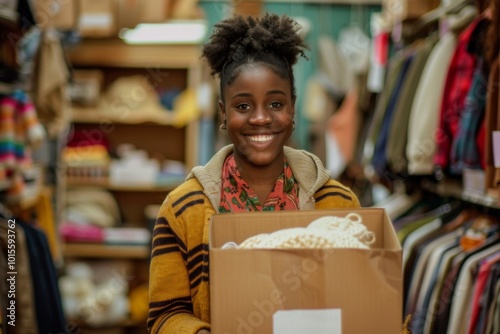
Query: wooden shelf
{"points": [[481, 199], [105, 251], [127, 323], [116, 53], [113, 187], [97, 116], [454, 189]]}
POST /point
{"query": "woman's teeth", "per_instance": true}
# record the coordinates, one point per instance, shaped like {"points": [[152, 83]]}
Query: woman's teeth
{"points": [[261, 138]]}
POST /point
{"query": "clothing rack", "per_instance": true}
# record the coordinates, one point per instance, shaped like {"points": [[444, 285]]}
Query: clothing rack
{"points": [[420, 86], [449, 228], [434, 228]]}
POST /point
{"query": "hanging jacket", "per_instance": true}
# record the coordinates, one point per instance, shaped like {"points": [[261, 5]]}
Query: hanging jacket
{"points": [[458, 83], [465, 152]]}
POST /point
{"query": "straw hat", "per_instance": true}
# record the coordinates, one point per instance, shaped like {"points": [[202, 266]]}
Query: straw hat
{"points": [[131, 94]]}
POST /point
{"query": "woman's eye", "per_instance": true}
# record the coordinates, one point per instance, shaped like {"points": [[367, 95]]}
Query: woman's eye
{"points": [[276, 105], [243, 106]]}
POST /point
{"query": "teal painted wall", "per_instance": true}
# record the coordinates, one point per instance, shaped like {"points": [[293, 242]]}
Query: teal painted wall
{"points": [[327, 19]]}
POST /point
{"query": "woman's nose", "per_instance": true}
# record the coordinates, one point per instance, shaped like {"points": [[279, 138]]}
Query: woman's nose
{"points": [[260, 116]]}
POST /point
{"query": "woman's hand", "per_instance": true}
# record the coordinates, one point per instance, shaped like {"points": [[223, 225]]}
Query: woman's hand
{"points": [[203, 331]]}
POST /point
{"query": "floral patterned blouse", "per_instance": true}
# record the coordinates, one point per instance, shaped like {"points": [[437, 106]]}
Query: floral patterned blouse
{"points": [[236, 195]]}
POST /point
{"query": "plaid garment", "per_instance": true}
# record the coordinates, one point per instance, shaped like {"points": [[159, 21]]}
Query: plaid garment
{"points": [[237, 196], [457, 85], [465, 152]]}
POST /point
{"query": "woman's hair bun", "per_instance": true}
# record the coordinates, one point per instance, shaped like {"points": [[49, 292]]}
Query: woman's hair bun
{"points": [[241, 37]]}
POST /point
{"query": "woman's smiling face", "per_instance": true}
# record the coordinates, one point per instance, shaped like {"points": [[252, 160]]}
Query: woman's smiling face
{"points": [[259, 108]]}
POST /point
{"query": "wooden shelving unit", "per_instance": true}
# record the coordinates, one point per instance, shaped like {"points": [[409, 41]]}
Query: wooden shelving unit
{"points": [[163, 187], [165, 64], [156, 132], [99, 251]]}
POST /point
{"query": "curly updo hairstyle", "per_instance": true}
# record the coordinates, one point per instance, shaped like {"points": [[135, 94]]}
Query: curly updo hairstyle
{"points": [[241, 40]]}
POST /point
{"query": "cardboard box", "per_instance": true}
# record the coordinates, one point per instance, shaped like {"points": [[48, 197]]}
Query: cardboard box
{"points": [[247, 7], [60, 14], [154, 11], [252, 289], [98, 18], [129, 13], [86, 86]]}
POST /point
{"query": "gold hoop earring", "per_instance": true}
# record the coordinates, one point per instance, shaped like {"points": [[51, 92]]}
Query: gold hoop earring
{"points": [[223, 127]]}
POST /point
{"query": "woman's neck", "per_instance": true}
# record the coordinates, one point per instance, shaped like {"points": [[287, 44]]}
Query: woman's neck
{"points": [[261, 179]]}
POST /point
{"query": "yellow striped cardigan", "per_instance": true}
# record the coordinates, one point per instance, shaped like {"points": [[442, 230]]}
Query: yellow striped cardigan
{"points": [[179, 282]]}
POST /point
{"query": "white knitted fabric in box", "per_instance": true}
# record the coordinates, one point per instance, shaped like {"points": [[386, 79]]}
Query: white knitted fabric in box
{"points": [[324, 232]]}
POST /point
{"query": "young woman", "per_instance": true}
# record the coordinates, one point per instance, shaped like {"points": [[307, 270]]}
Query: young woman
{"points": [[253, 58]]}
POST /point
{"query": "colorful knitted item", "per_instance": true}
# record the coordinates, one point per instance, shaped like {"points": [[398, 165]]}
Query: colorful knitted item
{"points": [[19, 130]]}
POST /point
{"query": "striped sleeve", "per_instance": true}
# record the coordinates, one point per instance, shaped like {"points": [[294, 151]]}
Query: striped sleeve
{"points": [[174, 269], [335, 195]]}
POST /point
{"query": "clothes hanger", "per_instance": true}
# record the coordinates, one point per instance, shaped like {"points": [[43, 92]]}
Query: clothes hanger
{"points": [[461, 19], [434, 16]]}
